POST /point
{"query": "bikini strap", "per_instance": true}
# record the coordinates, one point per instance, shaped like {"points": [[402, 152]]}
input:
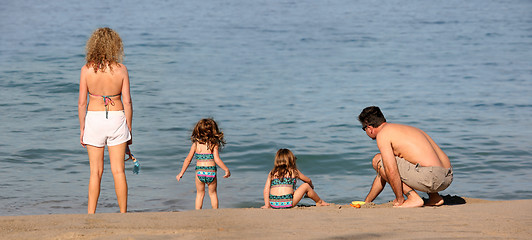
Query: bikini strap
{"points": [[106, 101]]}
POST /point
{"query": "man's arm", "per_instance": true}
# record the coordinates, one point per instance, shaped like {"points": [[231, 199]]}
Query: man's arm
{"points": [[390, 167], [376, 189]]}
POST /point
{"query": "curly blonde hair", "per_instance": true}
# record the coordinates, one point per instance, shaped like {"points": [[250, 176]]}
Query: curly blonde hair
{"points": [[207, 132], [104, 48]]}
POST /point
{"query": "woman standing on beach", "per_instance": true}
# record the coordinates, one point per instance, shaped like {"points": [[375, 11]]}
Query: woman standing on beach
{"points": [[106, 120]]}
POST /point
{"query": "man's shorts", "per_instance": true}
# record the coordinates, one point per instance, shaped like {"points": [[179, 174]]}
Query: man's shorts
{"points": [[101, 131], [425, 179]]}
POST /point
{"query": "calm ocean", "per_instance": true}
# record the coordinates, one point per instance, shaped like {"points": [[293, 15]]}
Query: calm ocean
{"points": [[273, 74]]}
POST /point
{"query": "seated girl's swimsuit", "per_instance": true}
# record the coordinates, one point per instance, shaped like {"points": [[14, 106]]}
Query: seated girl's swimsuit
{"points": [[106, 101], [205, 174], [283, 201]]}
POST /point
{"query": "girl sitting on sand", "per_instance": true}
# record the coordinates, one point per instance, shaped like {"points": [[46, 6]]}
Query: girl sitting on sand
{"points": [[206, 141], [280, 189]]}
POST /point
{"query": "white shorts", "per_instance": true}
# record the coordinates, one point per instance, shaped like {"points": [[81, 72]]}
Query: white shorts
{"points": [[101, 131]]}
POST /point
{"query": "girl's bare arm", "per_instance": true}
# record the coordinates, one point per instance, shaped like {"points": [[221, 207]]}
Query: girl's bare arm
{"points": [[188, 159], [305, 179], [219, 162], [266, 193]]}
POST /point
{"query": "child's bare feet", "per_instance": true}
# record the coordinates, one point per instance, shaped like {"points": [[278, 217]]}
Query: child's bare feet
{"points": [[322, 203]]}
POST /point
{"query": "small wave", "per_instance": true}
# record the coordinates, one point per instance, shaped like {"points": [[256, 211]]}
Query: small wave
{"points": [[45, 109], [64, 88], [440, 22]]}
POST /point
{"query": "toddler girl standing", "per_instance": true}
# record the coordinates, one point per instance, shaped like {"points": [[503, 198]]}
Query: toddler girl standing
{"points": [[206, 141], [280, 189]]}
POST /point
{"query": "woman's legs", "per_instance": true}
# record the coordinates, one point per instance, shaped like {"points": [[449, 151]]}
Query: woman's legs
{"points": [[306, 189], [96, 171], [116, 156]]}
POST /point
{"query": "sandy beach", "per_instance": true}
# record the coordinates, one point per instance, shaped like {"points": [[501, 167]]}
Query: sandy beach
{"points": [[474, 219]]}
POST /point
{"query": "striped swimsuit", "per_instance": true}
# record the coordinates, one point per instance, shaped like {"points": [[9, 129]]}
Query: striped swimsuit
{"points": [[205, 174], [282, 201]]}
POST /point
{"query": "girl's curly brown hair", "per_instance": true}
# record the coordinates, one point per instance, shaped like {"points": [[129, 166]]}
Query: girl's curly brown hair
{"points": [[284, 165], [207, 132], [104, 48]]}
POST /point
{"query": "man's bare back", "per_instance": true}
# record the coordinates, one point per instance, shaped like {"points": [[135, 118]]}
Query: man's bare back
{"points": [[414, 145]]}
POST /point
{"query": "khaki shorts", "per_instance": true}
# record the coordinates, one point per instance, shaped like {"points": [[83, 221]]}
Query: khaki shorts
{"points": [[425, 179]]}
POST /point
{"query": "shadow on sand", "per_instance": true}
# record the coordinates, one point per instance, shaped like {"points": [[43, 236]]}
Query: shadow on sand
{"points": [[451, 200]]}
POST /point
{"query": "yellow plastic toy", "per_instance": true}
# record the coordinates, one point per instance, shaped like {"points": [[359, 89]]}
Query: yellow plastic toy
{"points": [[357, 204]]}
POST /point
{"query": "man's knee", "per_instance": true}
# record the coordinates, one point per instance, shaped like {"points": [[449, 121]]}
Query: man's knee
{"points": [[375, 161]]}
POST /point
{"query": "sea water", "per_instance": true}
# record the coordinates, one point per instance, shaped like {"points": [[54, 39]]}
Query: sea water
{"points": [[273, 74]]}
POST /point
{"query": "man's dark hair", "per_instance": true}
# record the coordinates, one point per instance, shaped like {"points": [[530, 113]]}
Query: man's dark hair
{"points": [[371, 116]]}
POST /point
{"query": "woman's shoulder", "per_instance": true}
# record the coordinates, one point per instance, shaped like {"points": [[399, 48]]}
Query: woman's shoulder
{"points": [[85, 68], [121, 65], [121, 68]]}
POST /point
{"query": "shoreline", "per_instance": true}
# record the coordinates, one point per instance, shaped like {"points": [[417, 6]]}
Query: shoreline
{"points": [[474, 219]]}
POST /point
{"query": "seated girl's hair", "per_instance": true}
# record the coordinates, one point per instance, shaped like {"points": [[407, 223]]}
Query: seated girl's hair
{"points": [[206, 132], [284, 165]]}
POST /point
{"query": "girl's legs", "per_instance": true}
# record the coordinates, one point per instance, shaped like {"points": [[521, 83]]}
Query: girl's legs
{"points": [[213, 195], [116, 156], [306, 189], [96, 171], [200, 193]]}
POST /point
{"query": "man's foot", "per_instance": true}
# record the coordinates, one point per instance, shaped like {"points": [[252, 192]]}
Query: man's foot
{"points": [[322, 203], [434, 200], [414, 200], [412, 203]]}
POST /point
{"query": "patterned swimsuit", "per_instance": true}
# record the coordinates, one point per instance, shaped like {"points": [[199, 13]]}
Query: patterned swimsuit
{"points": [[282, 201], [205, 174]]}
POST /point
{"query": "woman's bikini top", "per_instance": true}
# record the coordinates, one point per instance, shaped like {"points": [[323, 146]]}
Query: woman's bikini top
{"points": [[106, 101], [285, 182]]}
